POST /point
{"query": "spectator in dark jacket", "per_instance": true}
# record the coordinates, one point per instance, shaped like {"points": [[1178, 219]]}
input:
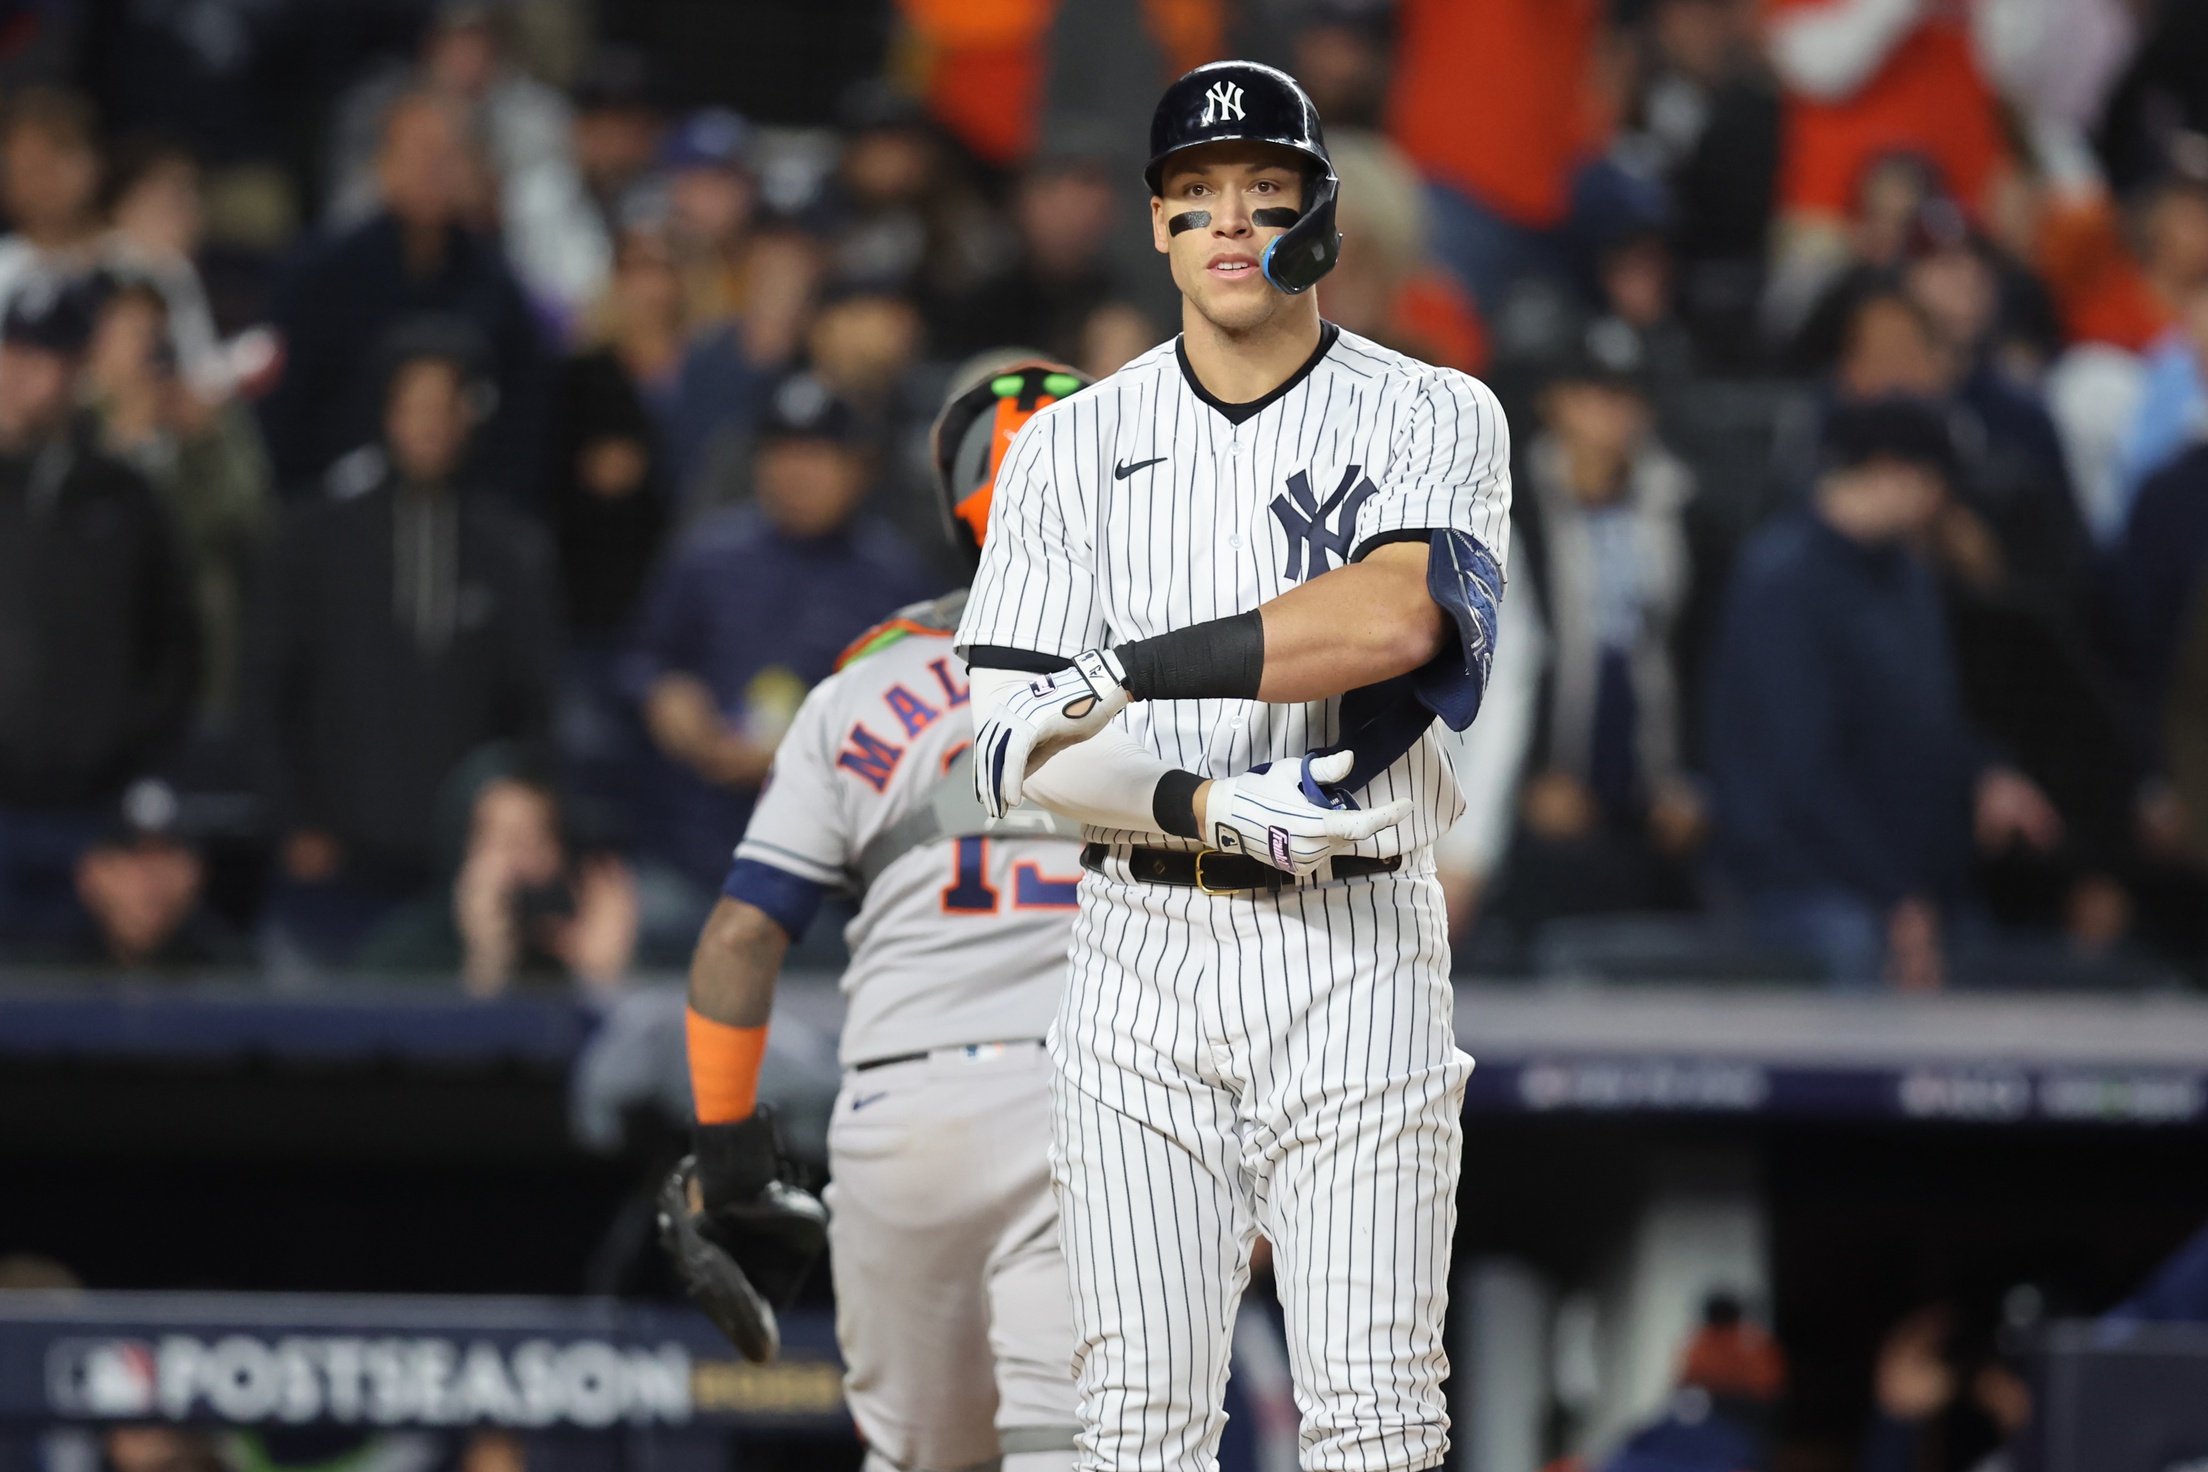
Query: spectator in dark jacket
{"points": [[701, 388], [1063, 212], [1602, 513], [2160, 601], [142, 889], [2184, 733], [343, 295], [2038, 689], [2012, 473], [401, 627], [2157, 566], [97, 637], [204, 459], [610, 494], [750, 613], [2014, 555], [1845, 777], [608, 490]]}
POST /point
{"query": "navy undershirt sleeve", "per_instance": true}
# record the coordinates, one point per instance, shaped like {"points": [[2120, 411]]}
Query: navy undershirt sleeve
{"points": [[783, 897]]}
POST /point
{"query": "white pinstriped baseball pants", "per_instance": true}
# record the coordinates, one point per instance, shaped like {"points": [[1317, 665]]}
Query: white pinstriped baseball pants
{"points": [[1229, 1066]]}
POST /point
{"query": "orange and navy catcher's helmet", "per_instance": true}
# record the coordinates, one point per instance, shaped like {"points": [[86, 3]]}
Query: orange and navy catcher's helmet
{"points": [[976, 428]]}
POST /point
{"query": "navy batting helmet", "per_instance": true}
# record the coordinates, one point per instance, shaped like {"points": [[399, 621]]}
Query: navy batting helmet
{"points": [[1243, 101]]}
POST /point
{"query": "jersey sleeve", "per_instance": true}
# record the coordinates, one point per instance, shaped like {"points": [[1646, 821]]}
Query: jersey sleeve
{"points": [[1448, 468], [801, 825], [1036, 588]]}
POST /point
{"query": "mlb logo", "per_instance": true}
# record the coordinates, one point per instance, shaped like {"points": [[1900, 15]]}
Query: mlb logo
{"points": [[103, 1378]]}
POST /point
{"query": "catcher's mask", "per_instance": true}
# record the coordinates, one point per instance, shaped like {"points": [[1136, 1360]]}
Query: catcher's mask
{"points": [[973, 432]]}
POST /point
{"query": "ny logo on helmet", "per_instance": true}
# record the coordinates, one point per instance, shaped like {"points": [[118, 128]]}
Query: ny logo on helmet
{"points": [[1223, 101]]}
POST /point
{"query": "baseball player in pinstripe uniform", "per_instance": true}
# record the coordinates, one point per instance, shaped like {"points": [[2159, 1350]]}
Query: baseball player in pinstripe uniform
{"points": [[952, 1303], [1225, 594]]}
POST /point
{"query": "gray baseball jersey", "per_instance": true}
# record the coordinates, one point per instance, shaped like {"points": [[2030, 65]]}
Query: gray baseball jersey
{"points": [[962, 937], [1139, 506], [952, 1305], [1251, 1063]]}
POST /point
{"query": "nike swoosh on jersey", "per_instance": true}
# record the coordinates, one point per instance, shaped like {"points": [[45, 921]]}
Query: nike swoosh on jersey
{"points": [[861, 1101], [1122, 470]]}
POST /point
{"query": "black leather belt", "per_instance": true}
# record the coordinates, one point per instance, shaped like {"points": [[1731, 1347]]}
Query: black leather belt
{"points": [[1216, 873], [926, 1053]]}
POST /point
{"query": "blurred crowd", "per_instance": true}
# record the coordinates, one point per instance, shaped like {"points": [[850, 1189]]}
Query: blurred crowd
{"points": [[439, 447], [1952, 1383]]}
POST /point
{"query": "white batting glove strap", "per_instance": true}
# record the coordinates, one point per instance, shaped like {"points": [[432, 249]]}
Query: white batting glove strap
{"points": [[1042, 718], [1268, 816]]}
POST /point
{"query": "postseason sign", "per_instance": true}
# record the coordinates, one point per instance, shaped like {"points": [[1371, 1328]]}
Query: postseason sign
{"points": [[425, 1380], [399, 1362]]}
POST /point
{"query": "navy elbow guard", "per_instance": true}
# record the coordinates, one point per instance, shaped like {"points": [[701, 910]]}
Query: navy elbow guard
{"points": [[1466, 580], [1381, 722]]}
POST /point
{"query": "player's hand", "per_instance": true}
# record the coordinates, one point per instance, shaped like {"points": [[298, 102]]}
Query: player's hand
{"points": [[1289, 816], [1041, 719]]}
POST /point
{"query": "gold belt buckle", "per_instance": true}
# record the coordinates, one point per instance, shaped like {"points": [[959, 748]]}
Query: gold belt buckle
{"points": [[1210, 853]]}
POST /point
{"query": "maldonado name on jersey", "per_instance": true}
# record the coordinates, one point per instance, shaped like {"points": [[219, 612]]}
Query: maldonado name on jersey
{"points": [[961, 936]]}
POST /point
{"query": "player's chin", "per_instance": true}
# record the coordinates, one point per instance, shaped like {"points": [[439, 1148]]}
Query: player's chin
{"points": [[1237, 305]]}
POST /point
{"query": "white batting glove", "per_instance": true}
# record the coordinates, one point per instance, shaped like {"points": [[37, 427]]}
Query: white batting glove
{"points": [[1040, 719], [1274, 817]]}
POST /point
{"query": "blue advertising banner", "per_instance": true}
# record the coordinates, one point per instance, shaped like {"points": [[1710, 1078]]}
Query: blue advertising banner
{"points": [[412, 1362]]}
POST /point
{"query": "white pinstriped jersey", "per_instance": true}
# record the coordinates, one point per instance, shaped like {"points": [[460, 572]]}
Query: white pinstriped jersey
{"points": [[961, 939], [1141, 505]]}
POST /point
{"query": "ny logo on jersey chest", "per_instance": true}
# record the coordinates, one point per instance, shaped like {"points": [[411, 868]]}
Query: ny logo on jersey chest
{"points": [[1316, 528]]}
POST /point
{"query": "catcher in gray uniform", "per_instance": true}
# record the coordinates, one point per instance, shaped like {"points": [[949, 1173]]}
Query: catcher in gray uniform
{"points": [[952, 1299]]}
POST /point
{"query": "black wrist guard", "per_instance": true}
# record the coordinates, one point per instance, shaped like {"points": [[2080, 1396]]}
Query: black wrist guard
{"points": [[736, 1161], [1173, 805], [1223, 659]]}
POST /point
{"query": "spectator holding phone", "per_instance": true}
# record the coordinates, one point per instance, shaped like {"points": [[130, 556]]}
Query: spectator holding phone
{"points": [[522, 903]]}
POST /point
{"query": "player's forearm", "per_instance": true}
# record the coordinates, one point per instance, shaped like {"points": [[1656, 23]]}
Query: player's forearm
{"points": [[1354, 626], [738, 956], [1109, 781], [1112, 781], [732, 975], [1357, 625]]}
